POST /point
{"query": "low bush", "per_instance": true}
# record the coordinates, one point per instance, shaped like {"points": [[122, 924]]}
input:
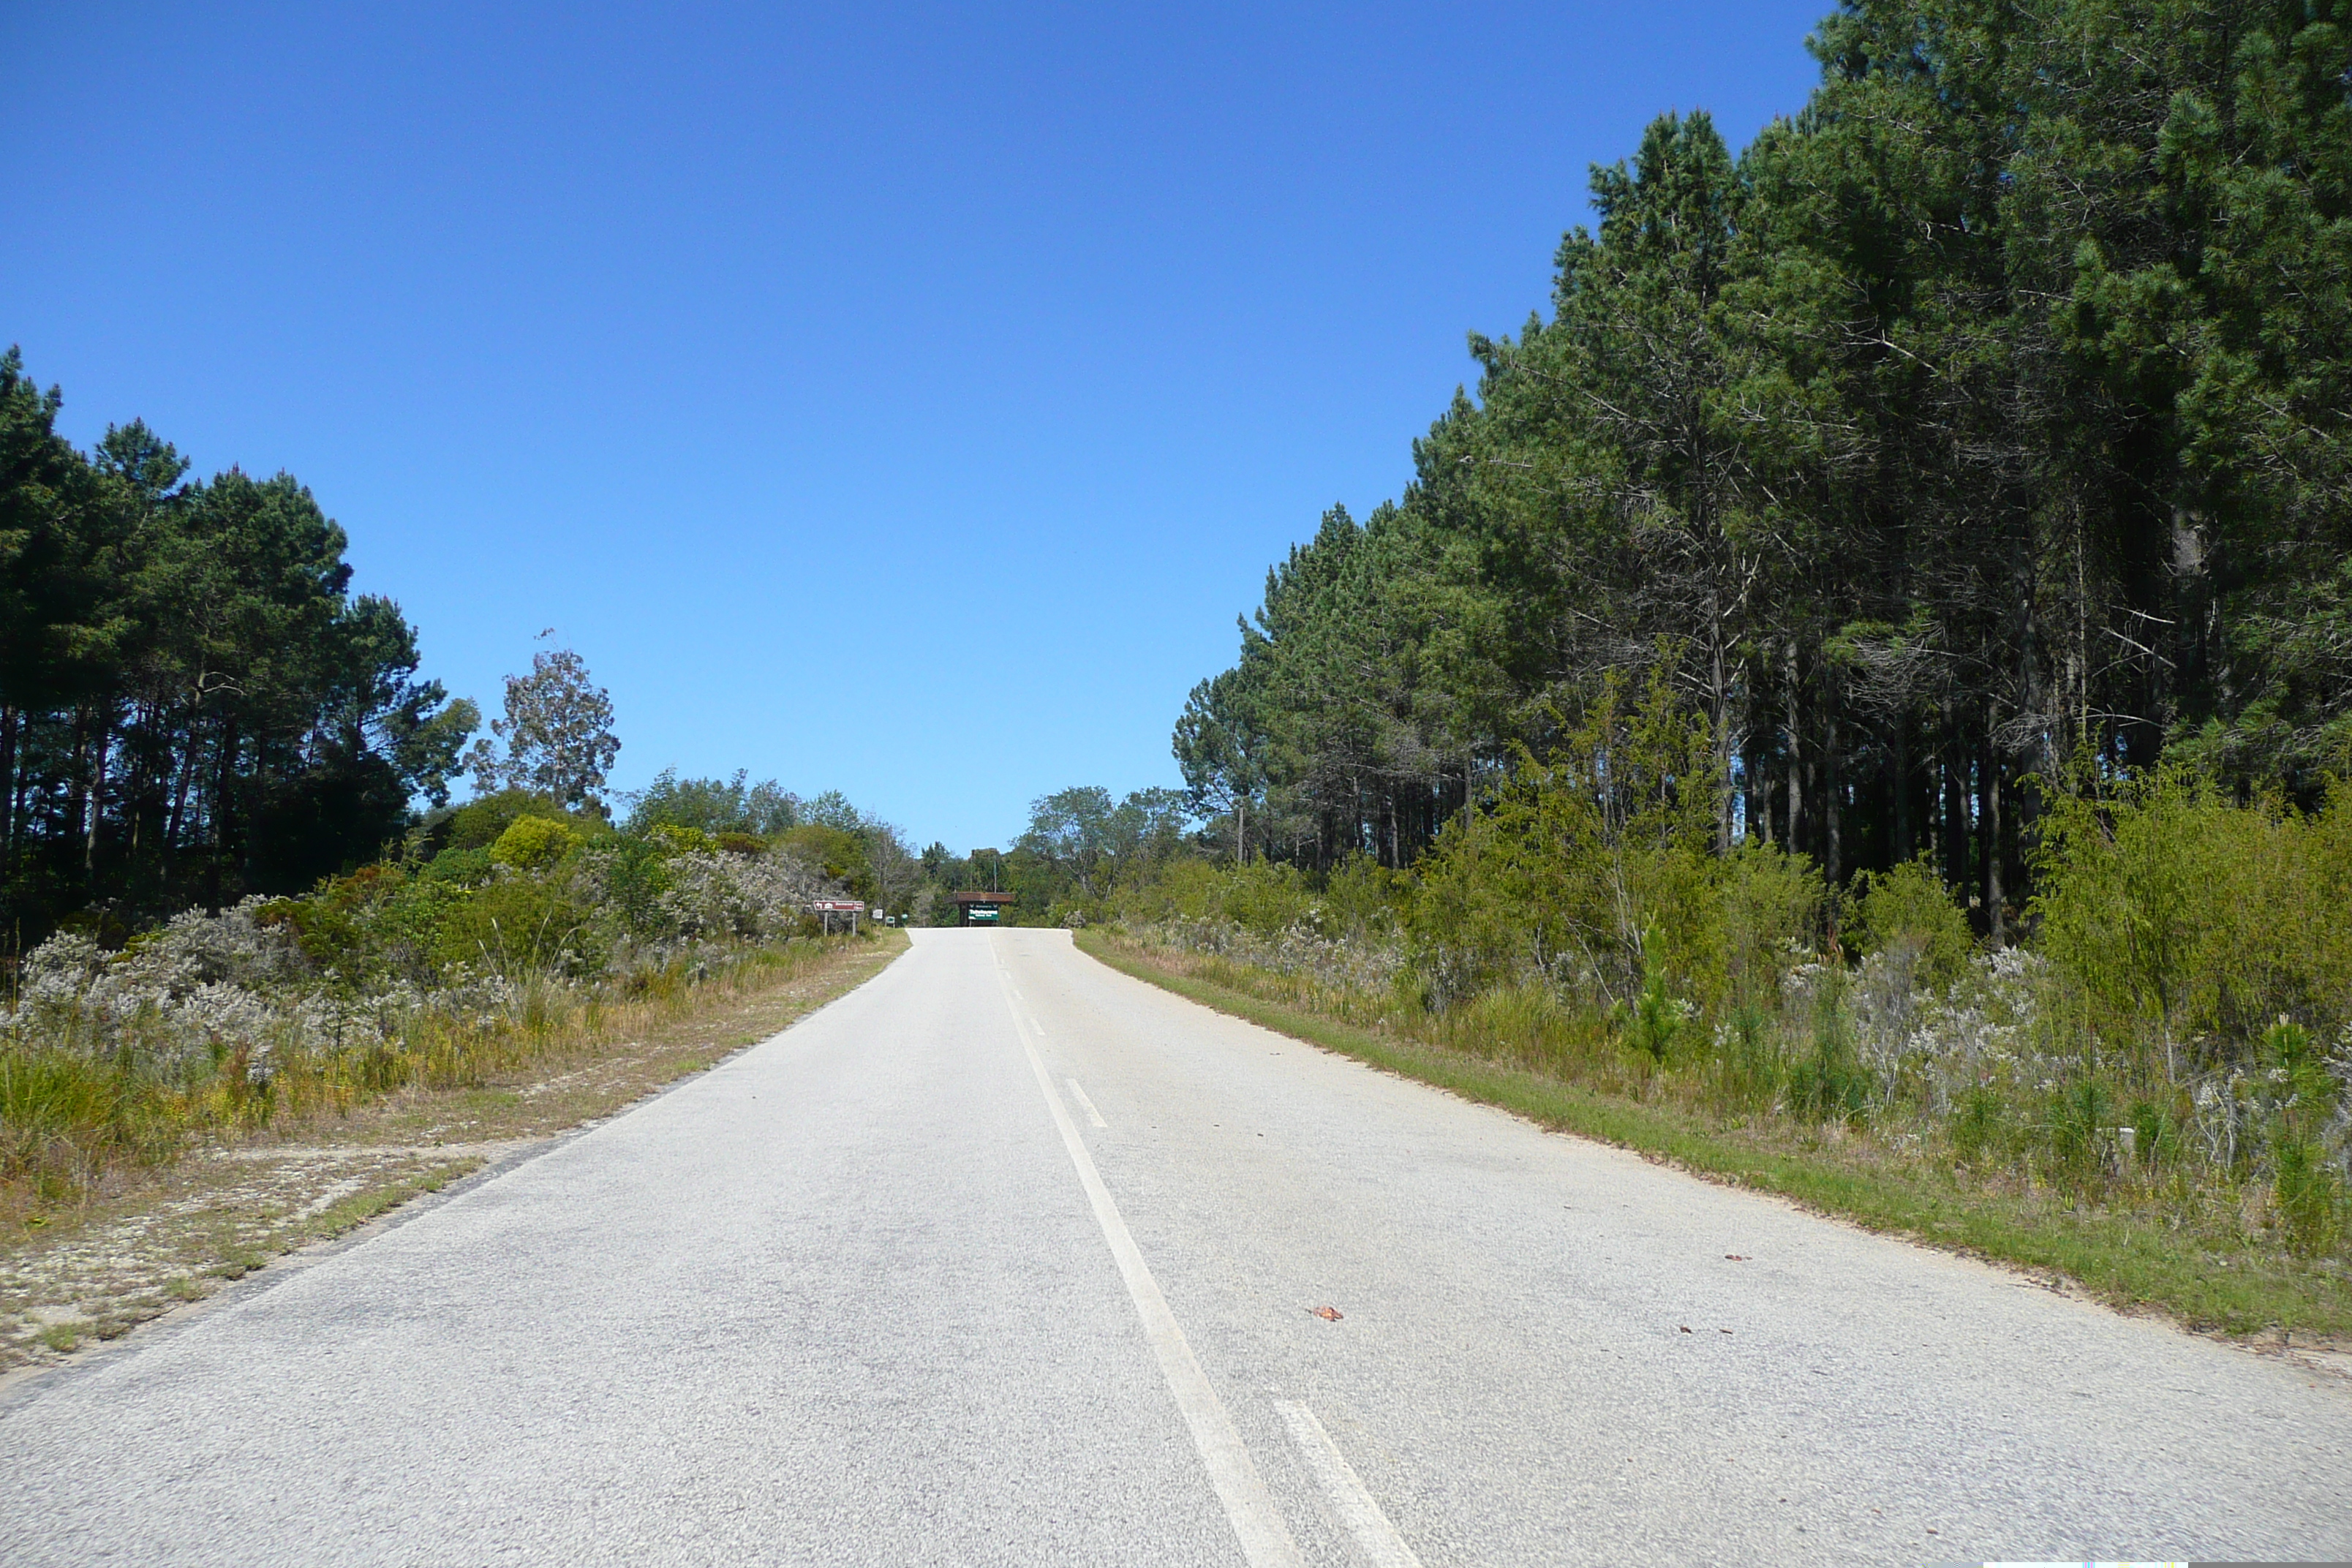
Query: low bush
{"points": [[435, 970], [2174, 1038]]}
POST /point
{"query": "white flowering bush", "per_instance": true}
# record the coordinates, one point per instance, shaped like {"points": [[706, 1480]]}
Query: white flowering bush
{"points": [[1933, 1048], [711, 894], [176, 1001], [1300, 950], [410, 972]]}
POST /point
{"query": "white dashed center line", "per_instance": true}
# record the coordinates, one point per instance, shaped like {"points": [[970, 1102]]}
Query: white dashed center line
{"points": [[1359, 1515], [1265, 1539]]}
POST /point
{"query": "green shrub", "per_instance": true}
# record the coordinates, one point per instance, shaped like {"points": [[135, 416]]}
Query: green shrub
{"points": [[1746, 1066], [1763, 911], [1579, 852], [2081, 1129], [518, 927], [466, 868], [1360, 895], [2308, 1192], [1979, 1128], [2184, 923], [1265, 897], [1828, 1084], [2288, 1051], [635, 880], [2155, 1134], [1527, 1025], [1909, 907], [51, 1094], [478, 824], [534, 843], [378, 924], [839, 854], [1181, 890], [2308, 1189], [1655, 1017], [672, 839]]}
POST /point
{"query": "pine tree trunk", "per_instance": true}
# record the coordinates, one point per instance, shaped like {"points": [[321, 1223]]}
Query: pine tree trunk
{"points": [[1902, 765], [1989, 835], [1720, 715], [7, 778], [1796, 756], [1833, 786], [1956, 814], [102, 748], [224, 792], [185, 779], [77, 796]]}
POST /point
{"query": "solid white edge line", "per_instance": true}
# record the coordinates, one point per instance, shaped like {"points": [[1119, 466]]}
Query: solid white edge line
{"points": [[1265, 1539], [1092, 1114], [1374, 1536]]}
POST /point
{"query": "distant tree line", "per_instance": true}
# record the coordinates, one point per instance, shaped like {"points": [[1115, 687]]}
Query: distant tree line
{"points": [[1081, 847], [863, 853], [194, 709], [194, 706], [1989, 418]]}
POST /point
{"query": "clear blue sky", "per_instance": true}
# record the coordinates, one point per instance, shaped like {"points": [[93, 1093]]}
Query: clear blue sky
{"points": [[896, 399]]}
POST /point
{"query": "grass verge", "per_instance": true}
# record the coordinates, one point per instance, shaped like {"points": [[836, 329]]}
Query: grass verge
{"points": [[2120, 1258]]}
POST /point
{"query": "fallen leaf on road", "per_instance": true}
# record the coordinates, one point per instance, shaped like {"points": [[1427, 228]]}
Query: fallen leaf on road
{"points": [[1328, 1314]]}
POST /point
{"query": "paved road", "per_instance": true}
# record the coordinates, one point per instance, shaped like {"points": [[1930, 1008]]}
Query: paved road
{"points": [[1007, 1259]]}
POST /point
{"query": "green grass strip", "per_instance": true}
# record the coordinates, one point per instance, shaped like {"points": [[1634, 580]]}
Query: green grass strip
{"points": [[2120, 1258]]}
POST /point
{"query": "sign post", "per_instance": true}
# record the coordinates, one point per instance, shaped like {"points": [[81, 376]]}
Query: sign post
{"points": [[828, 908]]}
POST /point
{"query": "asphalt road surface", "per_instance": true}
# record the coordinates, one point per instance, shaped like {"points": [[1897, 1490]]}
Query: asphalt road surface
{"points": [[1005, 1257]]}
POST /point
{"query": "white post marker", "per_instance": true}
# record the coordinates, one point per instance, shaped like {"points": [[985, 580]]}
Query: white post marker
{"points": [[1265, 1539]]}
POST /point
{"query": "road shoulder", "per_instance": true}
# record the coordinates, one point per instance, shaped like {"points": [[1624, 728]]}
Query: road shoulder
{"points": [[174, 1237], [2124, 1263]]}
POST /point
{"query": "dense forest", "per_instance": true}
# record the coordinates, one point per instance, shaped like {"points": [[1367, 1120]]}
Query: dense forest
{"points": [[1988, 421], [194, 706]]}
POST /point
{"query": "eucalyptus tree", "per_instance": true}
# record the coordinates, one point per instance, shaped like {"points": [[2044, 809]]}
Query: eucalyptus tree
{"points": [[715, 805], [558, 730]]}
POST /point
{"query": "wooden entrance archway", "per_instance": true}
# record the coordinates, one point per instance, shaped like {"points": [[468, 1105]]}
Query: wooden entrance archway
{"points": [[982, 908]]}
